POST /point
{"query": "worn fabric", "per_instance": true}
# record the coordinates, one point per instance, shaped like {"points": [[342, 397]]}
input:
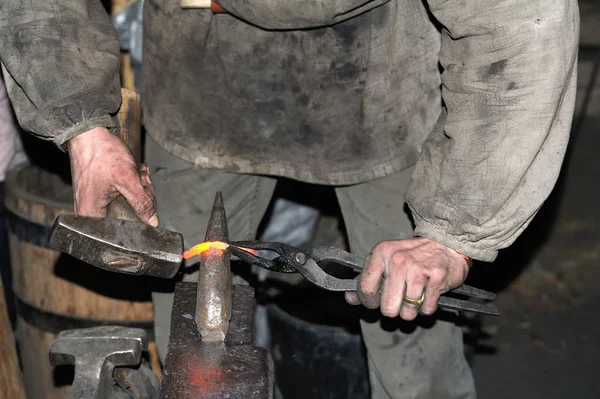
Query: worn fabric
{"points": [[510, 74], [406, 360], [331, 92], [61, 64], [327, 105]]}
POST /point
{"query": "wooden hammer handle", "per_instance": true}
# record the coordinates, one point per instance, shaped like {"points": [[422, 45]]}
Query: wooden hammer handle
{"points": [[130, 131]]}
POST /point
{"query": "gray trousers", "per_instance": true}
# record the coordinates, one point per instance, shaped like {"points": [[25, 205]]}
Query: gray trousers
{"points": [[406, 360]]}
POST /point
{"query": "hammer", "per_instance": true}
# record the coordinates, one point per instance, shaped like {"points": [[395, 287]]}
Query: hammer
{"points": [[96, 352], [121, 243]]}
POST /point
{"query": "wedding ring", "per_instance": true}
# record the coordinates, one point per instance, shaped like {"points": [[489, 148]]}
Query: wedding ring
{"points": [[415, 302]]}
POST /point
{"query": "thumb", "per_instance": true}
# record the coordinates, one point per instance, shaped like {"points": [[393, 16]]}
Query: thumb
{"points": [[141, 202], [352, 296]]}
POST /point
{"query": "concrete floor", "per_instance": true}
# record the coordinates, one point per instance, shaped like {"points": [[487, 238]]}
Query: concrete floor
{"points": [[546, 344]]}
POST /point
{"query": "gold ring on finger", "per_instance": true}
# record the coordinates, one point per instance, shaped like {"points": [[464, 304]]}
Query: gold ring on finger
{"points": [[415, 302]]}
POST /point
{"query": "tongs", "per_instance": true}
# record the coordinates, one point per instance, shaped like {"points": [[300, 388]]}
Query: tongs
{"points": [[305, 262]]}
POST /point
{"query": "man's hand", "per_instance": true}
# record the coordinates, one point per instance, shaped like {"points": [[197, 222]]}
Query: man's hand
{"points": [[103, 168], [411, 268]]}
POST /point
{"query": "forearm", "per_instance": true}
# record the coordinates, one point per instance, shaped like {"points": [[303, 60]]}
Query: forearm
{"points": [[286, 14], [61, 65], [509, 90]]}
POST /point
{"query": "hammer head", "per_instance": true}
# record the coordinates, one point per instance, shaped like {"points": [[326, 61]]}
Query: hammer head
{"points": [[119, 245]]}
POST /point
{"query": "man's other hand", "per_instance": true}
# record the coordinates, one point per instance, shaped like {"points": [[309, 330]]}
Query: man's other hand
{"points": [[103, 168], [408, 268]]}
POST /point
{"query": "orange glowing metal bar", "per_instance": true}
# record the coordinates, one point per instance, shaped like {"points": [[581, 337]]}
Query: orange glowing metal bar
{"points": [[203, 247], [208, 245]]}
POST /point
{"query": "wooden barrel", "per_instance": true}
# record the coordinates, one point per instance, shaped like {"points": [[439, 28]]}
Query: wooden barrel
{"points": [[54, 291], [11, 380]]}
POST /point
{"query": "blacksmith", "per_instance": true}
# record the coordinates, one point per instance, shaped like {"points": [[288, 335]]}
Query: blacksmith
{"points": [[459, 108]]}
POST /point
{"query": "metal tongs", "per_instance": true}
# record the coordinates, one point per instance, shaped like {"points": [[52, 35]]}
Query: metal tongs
{"points": [[305, 262]]}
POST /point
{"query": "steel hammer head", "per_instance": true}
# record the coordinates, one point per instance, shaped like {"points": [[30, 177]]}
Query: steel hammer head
{"points": [[119, 245], [95, 352]]}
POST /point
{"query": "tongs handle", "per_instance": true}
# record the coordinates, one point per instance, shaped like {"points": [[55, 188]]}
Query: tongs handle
{"points": [[468, 306], [345, 258]]}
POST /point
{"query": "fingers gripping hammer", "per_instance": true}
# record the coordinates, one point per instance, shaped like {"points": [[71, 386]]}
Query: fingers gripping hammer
{"points": [[130, 131], [121, 243]]}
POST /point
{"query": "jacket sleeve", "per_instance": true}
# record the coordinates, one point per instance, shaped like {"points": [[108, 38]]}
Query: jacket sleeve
{"points": [[290, 14], [61, 65], [508, 85]]}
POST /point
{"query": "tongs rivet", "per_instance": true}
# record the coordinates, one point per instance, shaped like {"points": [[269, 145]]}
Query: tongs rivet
{"points": [[300, 258]]}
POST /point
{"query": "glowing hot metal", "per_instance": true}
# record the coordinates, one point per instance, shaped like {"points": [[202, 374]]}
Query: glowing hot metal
{"points": [[199, 249], [203, 247]]}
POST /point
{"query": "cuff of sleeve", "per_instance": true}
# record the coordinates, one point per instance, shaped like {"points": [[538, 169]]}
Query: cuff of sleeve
{"points": [[432, 232], [106, 121]]}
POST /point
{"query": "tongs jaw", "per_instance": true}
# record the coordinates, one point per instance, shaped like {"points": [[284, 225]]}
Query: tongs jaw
{"points": [[239, 249], [305, 262], [291, 260]]}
